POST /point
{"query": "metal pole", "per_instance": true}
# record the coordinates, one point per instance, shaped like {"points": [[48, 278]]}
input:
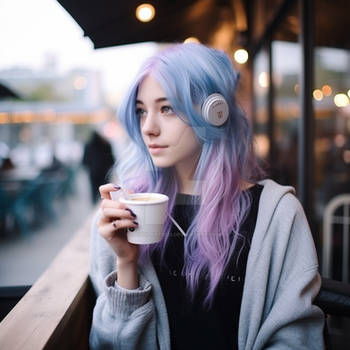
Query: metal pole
{"points": [[270, 109], [306, 126]]}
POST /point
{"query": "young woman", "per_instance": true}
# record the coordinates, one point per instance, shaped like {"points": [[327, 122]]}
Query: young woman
{"points": [[244, 273]]}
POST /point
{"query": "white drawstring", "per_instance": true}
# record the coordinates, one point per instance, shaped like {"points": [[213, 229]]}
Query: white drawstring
{"points": [[177, 225]]}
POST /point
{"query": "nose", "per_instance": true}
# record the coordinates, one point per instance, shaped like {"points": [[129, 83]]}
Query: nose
{"points": [[150, 125]]}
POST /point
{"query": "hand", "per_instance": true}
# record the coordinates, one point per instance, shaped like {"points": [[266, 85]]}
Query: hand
{"points": [[115, 219]]}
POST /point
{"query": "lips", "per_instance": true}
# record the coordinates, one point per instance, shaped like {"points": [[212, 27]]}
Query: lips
{"points": [[156, 146], [155, 149]]}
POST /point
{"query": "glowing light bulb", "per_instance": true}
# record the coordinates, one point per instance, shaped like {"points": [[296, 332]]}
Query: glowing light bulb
{"points": [[327, 90], [241, 56], [318, 95], [341, 100], [145, 12]]}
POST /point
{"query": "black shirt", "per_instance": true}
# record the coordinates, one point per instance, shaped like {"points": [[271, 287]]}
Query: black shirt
{"points": [[192, 326]]}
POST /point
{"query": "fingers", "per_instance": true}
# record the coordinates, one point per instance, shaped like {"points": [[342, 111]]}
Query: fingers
{"points": [[123, 224], [113, 213], [112, 210], [116, 228], [105, 189], [115, 217]]}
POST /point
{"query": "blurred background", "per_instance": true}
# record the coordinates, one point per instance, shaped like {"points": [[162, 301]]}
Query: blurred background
{"points": [[64, 67]]}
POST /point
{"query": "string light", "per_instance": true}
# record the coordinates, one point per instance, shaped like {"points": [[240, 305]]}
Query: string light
{"points": [[341, 100], [241, 56], [317, 94], [327, 90]]}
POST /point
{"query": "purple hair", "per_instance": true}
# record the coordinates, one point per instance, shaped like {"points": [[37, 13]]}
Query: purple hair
{"points": [[188, 73]]}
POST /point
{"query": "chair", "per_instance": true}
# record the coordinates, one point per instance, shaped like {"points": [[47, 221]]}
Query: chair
{"points": [[18, 207], [334, 300], [337, 212]]}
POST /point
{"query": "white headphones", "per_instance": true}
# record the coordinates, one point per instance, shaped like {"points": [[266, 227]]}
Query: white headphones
{"points": [[215, 109]]}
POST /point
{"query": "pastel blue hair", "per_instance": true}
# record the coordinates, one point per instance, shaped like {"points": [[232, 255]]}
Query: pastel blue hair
{"points": [[188, 74]]}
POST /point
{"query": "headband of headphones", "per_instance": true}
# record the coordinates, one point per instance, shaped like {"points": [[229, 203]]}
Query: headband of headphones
{"points": [[215, 109]]}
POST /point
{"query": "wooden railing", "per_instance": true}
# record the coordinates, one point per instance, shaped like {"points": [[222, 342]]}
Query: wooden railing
{"points": [[56, 312]]}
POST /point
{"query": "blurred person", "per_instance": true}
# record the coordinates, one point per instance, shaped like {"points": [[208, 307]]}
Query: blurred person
{"points": [[243, 274], [7, 164], [98, 159]]}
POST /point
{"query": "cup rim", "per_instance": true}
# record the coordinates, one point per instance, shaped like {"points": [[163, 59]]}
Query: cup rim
{"points": [[163, 198]]}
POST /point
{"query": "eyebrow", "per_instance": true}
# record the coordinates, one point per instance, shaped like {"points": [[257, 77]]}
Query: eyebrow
{"points": [[158, 100]]}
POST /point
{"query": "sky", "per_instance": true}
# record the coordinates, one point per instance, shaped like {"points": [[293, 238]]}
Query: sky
{"points": [[31, 31]]}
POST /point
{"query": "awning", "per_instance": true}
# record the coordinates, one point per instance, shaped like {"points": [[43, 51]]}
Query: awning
{"points": [[113, 22]]}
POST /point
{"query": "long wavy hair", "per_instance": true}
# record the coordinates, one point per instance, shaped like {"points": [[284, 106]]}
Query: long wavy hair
{"points": [[188, 73]]}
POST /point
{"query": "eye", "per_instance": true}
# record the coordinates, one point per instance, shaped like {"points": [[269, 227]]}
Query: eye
{"points": [[167, 110], [140, 112]]}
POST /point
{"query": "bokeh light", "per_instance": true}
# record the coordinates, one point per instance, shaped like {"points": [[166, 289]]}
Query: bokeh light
{"points": [[145, 12], [241, 56]]}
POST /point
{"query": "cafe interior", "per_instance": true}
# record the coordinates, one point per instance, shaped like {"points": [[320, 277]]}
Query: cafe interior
{"points": [[294, 60]]}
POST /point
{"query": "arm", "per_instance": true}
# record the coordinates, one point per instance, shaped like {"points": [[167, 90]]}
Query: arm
{"points": [[124, 314], [277, 311], [293, 321]]}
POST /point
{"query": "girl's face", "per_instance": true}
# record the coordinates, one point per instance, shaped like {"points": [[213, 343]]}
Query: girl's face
{"points": [[170, 141]]}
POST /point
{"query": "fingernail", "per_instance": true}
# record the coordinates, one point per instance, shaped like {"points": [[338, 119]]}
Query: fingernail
{"points": [[116, 187], [131, 212], [136, 223], [132, 229]]}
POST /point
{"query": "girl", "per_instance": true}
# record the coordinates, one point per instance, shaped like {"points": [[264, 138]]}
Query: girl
{"points": [[242, 271]]}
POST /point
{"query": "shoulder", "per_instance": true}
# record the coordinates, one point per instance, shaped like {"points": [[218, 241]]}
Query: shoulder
{"points": [[275, 196], [280, 214], [283, 226], [276, 200]]}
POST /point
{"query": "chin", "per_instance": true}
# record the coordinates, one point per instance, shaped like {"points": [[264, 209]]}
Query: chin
{"points": [[162, 163]]}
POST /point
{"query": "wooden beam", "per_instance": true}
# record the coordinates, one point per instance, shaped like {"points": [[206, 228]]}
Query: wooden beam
{"points": [[56, 312]]}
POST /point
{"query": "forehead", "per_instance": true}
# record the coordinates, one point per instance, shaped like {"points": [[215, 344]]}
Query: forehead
{"points": [[149, 89]]}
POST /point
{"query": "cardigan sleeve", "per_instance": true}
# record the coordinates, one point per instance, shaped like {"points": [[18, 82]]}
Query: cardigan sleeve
{"points": [[123, 319], [291, 320]]}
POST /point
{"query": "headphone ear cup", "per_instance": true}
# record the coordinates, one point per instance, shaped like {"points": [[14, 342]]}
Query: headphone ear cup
{"points": [[215, 109]]}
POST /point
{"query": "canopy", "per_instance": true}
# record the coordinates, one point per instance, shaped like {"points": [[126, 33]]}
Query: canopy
{"points": [[113, 22]]}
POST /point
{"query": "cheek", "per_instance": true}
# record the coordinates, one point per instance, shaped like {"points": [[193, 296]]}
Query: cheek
{"points": [[187, 141], [180, 133]]}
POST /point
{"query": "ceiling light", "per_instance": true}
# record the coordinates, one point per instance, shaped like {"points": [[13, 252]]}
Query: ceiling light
{"points": [[145, 12]]}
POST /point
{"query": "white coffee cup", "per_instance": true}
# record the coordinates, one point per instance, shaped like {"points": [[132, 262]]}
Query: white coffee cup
{"points": [[151, 211]]}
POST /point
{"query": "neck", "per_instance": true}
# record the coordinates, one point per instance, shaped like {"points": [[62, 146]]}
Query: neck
{"points": [[185, 181], [187, 187]]}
